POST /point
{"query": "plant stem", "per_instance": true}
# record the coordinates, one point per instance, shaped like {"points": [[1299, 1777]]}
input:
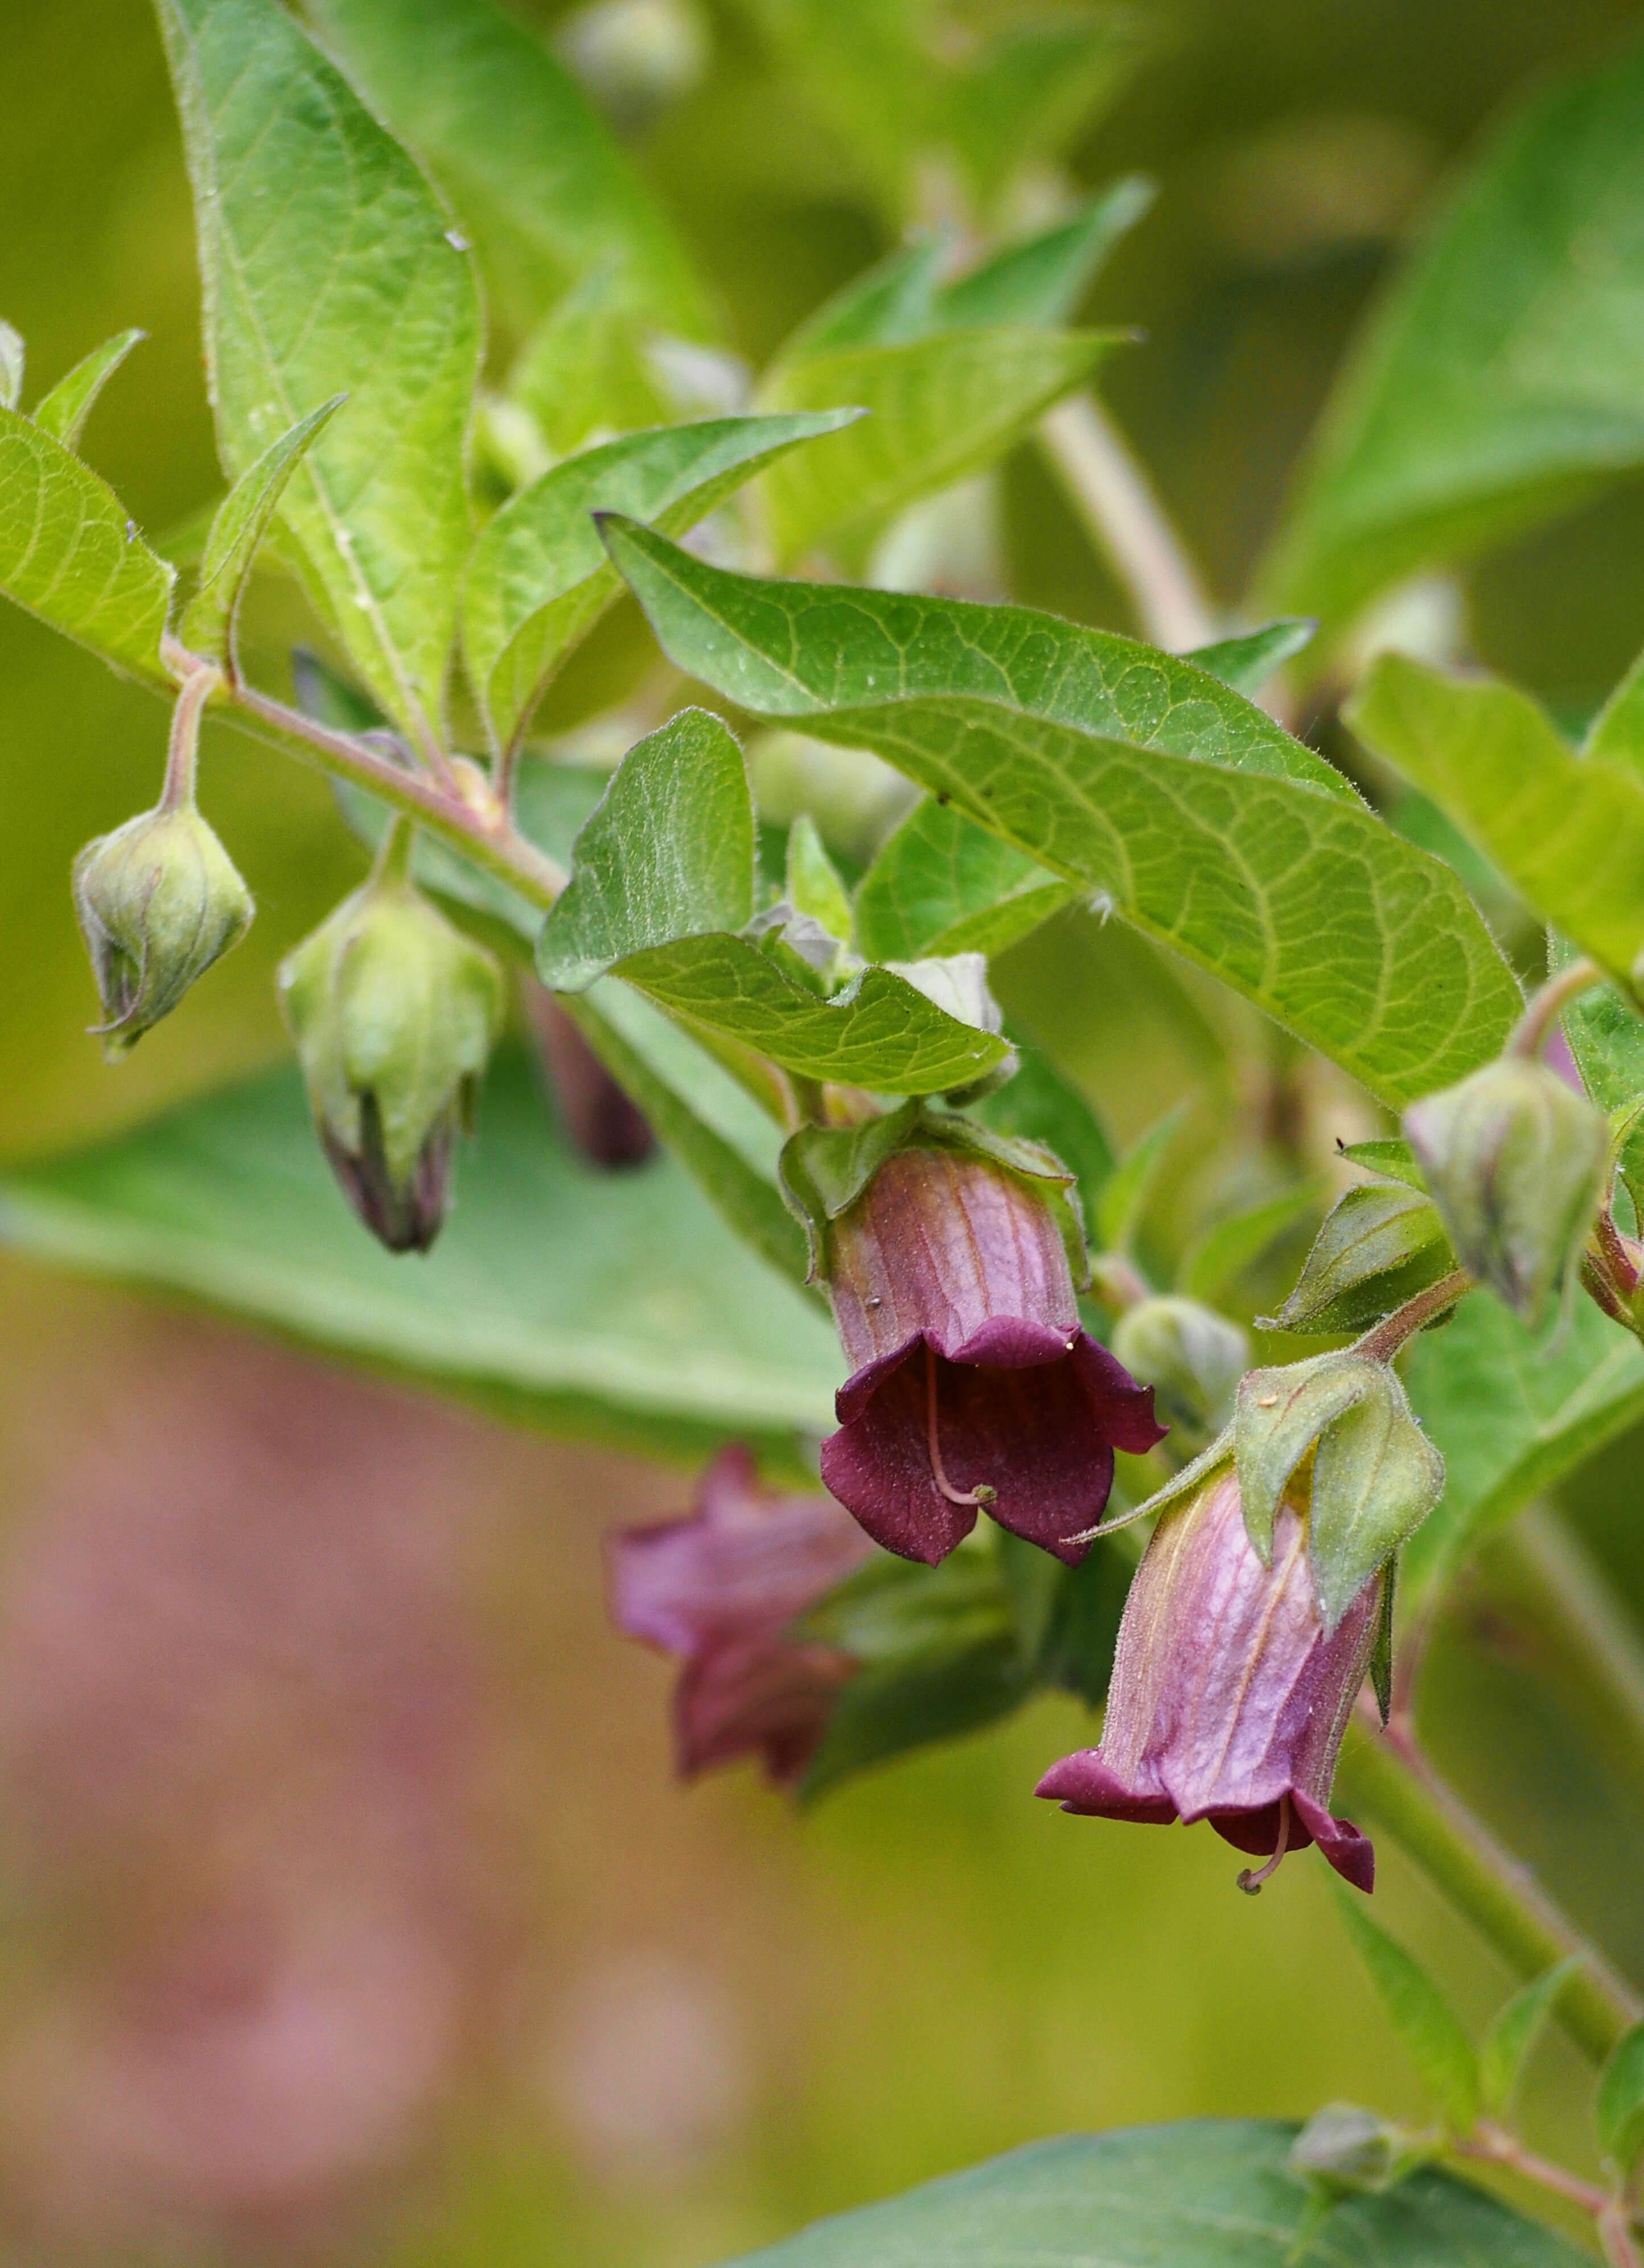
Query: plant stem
{"points": [[1125, 519], [1493, 2145], [494, 845], [1385, 1776], [1529, 1035], [197, 688], [1383, 1343]]}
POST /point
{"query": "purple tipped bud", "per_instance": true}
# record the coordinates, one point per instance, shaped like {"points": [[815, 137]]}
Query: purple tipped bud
{"points": [[1230, 1699], [972, 1382], [718, 1591]]}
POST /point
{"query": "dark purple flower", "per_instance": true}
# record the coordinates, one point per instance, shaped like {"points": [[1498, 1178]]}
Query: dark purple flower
{"points": [[972, 1383], [1229, 1699], [719, 1590]]}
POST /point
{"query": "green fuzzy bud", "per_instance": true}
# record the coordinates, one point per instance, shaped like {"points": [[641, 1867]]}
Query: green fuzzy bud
{"points": [[1516, 1162], [1191, 1357], [1347, 2151], [159, 901], [394, 1013]]}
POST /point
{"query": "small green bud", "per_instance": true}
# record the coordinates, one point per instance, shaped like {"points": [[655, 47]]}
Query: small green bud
{"points": [[159, 901], [1191, 1357], [394, 1013], [1516, 1162], [1347, 2151]]}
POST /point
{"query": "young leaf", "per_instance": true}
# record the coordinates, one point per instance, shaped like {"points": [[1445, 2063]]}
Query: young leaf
{"points": [[64, 410], [1620, 2106], [610, 1305], [531, 168], [1041, 279], [1127, 1186], [940, 406], [1616, 735], [1202, 2193], [1508, 2042], [1504, 376], [1126, 770], [1230, 1247], [1568, 834], [328, 268], [669, 854], [586, 367], [539, 578], [1246, 663], [1435, 2041], [941, 885], [241, 522], [69, 554], [814, 887], [1379, 1245], [888, 305]]}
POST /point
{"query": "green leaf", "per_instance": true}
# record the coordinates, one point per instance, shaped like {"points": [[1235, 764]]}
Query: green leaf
{"points": [[1129, 771], [535, 173], [941, 407], [1568, 834], [610, 1305], [329, 268], [1616, 735], [937, 1694], [1620, 2107], [64, 410], [1378, 1246], [1246, 663], [69, 554], [941, 885], [1083, 1630], [1511, 1415], [1606, 1037], [241, 522], [887, 304], [1229, 1247], [1207, 2193], [539, 577], [1125, 1193], [1508, 2042], [1432, 2037], [1503, 377], [1032, 87], [1041, 279], [667, 855], [586, 367], [812, 884]]}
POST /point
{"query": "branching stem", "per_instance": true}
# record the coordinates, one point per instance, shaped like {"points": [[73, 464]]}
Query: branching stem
{"points": [[1493, 2145], [1383, 1343]]}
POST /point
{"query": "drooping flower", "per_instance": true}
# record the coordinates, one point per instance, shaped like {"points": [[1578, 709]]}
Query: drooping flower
{"points": [[972, 1382], [719, 1590], [1230, 1699]]}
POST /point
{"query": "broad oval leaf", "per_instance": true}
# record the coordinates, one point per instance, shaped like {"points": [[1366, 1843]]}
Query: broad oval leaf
{"points": [[533, 169], [1207, 2193], [611, 1305], [1127, 771], [941, 407], [1568, 833], [64, 410], [941, 885], [241, 523], [330, 266], [539, 578], [1504, 375], [667, 854], [69, 554], [1510, 1415]]}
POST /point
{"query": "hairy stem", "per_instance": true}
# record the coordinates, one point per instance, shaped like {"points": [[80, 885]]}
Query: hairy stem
{"points": [[1385, 1776], [490, 842], [1126, 522], [1547, 1003], [1383, 1343], [1493, 2145], [202, 680]]}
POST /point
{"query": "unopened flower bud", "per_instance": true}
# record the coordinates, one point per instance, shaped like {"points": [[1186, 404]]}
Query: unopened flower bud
{"points": [[1229, 1696], [1515, 1163], [1191, 1357], [1346, 2151], [159, 901], [394, 1013]]}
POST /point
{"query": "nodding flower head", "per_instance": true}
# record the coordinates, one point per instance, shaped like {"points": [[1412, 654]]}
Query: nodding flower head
{"points": [[159, 901], [1229, 1697], [394, 1013], [718, 1591], [973, 1384]]}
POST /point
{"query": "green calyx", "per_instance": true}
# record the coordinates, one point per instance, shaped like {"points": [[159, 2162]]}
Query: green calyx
{"points": [[1516, 1161], [159, 901], [394, 1013], [824, 1170]]}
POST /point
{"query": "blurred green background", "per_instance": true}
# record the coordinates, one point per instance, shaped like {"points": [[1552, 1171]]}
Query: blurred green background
{"points": [[352, 1911]]}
